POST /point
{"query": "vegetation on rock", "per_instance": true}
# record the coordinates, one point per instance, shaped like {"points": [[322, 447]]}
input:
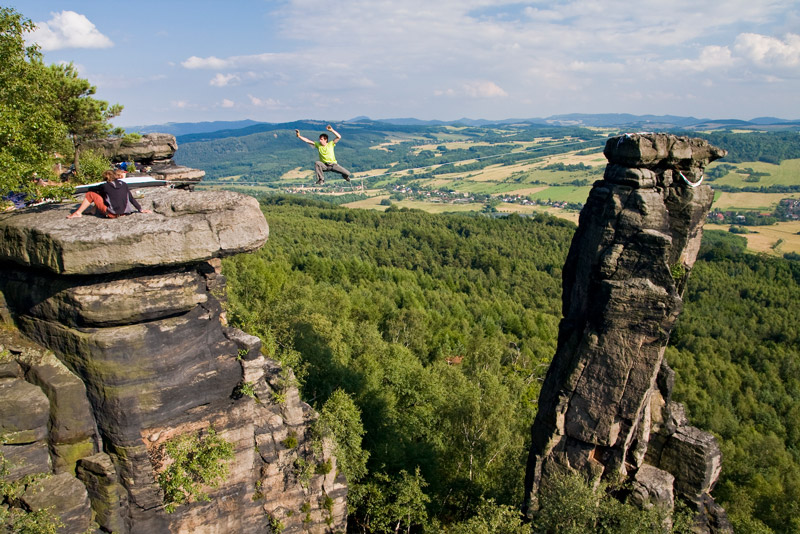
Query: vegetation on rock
{"points": [[17, 519], [195, 461]]}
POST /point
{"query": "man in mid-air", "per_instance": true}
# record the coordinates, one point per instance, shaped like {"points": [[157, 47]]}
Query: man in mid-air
{"points": [[327, 159]]}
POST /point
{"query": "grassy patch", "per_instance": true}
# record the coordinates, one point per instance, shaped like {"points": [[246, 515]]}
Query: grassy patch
{"points": [[563, 193]]}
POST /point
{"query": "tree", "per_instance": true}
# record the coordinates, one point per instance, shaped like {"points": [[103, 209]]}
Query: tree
{"points": [[30, 133], [85, 118], [43, 108], [340, 418], [387, 504]]}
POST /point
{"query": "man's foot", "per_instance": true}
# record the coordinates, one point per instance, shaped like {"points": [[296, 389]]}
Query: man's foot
{"points": [[320, 181], [74, 215], [347, 178]]}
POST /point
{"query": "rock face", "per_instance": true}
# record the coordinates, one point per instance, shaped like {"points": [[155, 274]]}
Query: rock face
{"points": [[605, 408], [133, 353], [150, 148]]}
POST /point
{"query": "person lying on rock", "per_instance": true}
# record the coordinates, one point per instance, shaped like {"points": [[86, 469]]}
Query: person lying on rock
{"points": [[327, 159], [111, 199]]}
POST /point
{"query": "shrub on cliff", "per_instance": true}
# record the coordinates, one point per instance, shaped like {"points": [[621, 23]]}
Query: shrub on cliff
{"points": [[196, 461]]}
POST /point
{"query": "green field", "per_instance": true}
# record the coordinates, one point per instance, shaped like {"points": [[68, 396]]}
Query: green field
{"points": [[563, 194]]}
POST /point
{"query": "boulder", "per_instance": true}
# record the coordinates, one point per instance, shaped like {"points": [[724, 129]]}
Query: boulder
{"points": [[185, 227], [694, 457], [653, 487], [176, 174], [109, 300], [71, 432], [28, 459], [660, 150]]}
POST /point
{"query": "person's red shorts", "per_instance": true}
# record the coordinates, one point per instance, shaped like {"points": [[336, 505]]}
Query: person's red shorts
{"points": [[99, 204]]}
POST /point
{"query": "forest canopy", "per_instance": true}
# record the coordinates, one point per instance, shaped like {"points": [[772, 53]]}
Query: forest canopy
{"points": [[441, 327]]}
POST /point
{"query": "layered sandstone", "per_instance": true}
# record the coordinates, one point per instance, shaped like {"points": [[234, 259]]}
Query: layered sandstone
{"points": [[605, 408], [131, 351]]}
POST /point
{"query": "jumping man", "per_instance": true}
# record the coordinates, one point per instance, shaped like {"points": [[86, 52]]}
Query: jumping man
{"points": [[327, 159]]}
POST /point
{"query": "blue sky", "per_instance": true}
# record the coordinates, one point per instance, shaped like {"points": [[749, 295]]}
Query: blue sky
{"points": [[276, 61]]}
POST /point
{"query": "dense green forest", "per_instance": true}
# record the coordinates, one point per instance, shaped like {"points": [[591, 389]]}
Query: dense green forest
{"points": [[736, 351], [772, 147], [438, 329]]}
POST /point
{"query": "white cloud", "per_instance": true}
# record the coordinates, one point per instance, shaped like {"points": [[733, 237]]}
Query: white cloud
{"points": [[269, 103], [475, 54], [596, 67], [766, 51], [68, 30], [227, 103], [484, 89], [221, 80], [212, 62], [215, 63], [710, 57], [474, 89]]}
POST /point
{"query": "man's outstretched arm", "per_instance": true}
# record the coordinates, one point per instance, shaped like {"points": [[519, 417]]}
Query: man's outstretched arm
{"points": [[303, 139], [334, 132]]}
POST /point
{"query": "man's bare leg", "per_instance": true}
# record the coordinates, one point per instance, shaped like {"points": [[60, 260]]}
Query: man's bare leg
{"points": [[79, 212]]}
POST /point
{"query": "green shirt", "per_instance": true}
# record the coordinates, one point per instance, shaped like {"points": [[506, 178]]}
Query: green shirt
{"points": [[326, 154]]}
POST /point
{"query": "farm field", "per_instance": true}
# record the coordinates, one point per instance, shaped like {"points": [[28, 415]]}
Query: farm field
{"points": [[765, 239], [749, 201]]}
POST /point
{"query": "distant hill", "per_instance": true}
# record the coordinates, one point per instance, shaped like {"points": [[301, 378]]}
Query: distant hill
{"points": [[189, 132], [184, 128], [604, 120]]}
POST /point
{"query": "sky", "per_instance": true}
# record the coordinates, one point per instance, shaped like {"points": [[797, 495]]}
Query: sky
{"points": [[285, 60]]}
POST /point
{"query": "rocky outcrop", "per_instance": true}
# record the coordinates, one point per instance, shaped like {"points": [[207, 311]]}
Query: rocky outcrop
{"points": [[182, 229], [150, 148], [131, 352], [152, 155], [605, 408]]}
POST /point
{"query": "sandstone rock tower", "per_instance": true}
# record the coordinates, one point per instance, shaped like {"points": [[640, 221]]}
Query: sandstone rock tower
{"points": [[132, 353], [605, 408]]}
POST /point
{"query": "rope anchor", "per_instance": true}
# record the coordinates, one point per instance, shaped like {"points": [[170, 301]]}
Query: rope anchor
{"points": [[689, 182]]}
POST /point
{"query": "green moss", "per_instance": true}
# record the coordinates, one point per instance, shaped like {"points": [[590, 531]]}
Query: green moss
{"points": [[291, 440], [69, 453]]}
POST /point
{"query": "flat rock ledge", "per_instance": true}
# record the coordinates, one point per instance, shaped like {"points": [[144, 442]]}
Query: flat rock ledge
{"points": [[185, 227]]}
